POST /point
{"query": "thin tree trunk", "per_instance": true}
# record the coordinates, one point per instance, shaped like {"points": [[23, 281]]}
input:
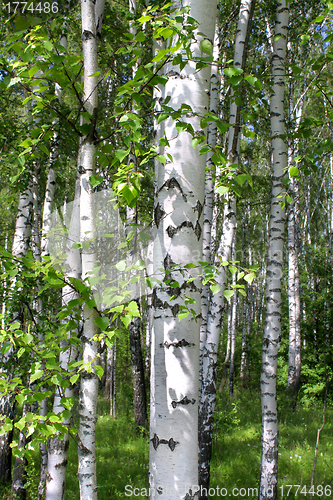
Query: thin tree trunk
{"points": [[57, 448], [209, 185], [19, 249], [245, 309], [214, 321], [233, 333], [89, 381], [139, 387], [272, 329]]}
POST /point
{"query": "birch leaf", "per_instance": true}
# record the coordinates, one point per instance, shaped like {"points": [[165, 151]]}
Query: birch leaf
{"points": [[102, 322], [215, 288], [206, 47], [183, 314], [228, 294]]}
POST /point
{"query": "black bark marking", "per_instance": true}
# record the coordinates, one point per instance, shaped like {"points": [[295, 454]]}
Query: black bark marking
{"points": [[157, 441], [172, 230], [168, 262], [191, 496], [172, 183], [158, 214], [184, 401], [178, 343], [198, 230], [175, 310], [159, 304], [199, 208], [87, 35]]}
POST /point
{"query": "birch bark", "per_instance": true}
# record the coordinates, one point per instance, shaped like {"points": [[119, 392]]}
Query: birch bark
{"points": [[57, 449], [173, 467], [272, 326], [89, 381], [19, 249], [294, 298], [209, 355], [209, 183]]}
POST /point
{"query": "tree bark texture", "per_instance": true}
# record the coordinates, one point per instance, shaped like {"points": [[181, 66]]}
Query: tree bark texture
{"points": [[139, 387], [215, 313], [175, 344], [57, 448], [89, 380], [272, 326]]}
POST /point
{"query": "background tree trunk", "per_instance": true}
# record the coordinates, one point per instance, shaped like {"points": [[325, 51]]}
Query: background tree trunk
{"points": [[272, 328]]}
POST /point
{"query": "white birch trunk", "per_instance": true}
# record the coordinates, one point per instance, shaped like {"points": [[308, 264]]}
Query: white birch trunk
{"points": [[294, 299], [89, 381], [19, 249], [57, 449], [272, 328], [175, 345], [214, 322], [44, 250], [233, 333], [209, 183]]}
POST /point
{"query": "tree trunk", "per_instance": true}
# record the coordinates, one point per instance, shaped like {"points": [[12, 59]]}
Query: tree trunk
{"points": [[57, 448], [175, 344], [89, 381], [209, 186], [233, 332], [139, 387], [272, 329], [214, 322], [19, 249]]}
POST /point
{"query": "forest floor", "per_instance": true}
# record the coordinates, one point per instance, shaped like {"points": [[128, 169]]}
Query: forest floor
{"points": [[122, 453]]}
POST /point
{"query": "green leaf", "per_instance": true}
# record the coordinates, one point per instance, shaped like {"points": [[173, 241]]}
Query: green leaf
{"points": [[121, 154], [222, 190], [161, 159], [99, 371], [102, 322], [228, 294], [249, 277], [95, 180], [293, 171], [206, 47], [140, 37], [215, 288], [144, 19], [126, 319], [48, 45], [183, 314], [43, 148], [121, 265], [37, 375]]}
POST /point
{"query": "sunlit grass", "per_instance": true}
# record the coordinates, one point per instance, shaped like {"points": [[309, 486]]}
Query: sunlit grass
{"points": [[122, 453]]}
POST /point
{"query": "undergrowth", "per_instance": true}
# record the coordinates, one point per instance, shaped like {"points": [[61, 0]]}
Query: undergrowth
{"points": [[122, 453]]}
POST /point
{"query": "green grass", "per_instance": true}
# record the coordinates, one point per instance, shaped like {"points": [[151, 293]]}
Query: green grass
{"points": [[236, 446], [122, 453]]}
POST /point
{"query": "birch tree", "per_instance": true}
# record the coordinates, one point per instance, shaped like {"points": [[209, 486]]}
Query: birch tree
{"points": [[19, 249], [58, 448], [272, 326], [178, 218], [209, 356]]}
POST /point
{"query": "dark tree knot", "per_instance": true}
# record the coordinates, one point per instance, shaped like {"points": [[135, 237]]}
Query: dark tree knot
{"points": [[157, 441], [184, 401]]}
